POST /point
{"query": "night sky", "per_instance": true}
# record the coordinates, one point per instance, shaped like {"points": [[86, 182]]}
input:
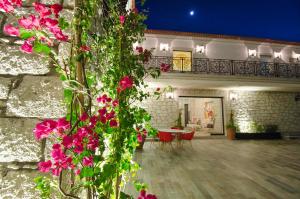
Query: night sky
{"points": [[272, 19]]}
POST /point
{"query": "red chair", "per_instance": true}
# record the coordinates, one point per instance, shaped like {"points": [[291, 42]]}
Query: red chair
{"points": [[187, 136], [178, 128], [165, 138]]}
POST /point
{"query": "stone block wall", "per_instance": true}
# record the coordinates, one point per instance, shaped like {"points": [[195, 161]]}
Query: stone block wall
{"points": [[267, 108], [30, 91], [165, 111]]}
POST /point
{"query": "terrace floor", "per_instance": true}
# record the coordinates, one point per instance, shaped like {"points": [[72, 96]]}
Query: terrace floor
{"points": [[218, 168]]}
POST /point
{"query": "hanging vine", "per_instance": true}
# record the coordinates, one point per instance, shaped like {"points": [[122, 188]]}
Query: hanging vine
{"points": [[103, 80]]}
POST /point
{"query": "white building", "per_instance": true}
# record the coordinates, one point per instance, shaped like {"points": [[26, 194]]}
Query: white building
{"points": [[212, 75]]}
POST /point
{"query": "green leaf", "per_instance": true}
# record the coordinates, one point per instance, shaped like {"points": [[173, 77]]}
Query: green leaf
{"points": [[62, 23], [43, 185], [87, 172], [125, 196], [68, 96], [41, 48], [25, 34]]}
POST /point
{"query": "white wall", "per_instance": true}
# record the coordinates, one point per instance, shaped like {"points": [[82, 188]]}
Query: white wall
{"points": [[217, 48]]}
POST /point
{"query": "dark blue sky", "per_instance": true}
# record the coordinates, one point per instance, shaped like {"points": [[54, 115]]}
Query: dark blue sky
{"points": [[272, 19]]}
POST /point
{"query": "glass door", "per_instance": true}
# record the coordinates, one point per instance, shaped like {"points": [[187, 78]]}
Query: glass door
{"points": [[182, 60]]}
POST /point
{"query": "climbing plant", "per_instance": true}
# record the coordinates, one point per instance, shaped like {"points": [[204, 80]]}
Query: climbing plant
{"points": [[103, 77]]}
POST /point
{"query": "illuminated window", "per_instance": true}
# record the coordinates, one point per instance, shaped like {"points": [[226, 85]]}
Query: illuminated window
{"points": [[182, 60]]}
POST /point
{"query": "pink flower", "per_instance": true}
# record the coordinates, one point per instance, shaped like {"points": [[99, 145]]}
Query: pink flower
{"points": [[140, 138], [48, 22], [77, 172], [115, 103], [103, 99], [144, 195], [78, 149], [62, 125], [139, 49], [110, 115], [56, 146], [56, 8], [103, 120], [165, 67], [17, 2], [84, 117], [67, 141], [122, 19], [45, 166], [42, 9], [113, 123], [136, 11], [43, 129], [125, 82], [102, 111], [59, 35], [11, 30], [30, 22], [6, 6], [56, 171], [88, 161], [93, 120], [93, 143], [85, 48], [57, 154]]}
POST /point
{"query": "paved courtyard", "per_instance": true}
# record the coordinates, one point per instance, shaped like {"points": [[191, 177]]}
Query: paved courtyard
{"points": [[218, 168]]}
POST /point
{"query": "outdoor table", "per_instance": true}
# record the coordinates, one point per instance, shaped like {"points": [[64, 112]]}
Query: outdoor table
{"points": [[177, 132]]}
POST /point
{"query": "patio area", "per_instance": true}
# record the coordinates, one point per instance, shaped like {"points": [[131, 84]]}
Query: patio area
{"points": [[218, 168]]}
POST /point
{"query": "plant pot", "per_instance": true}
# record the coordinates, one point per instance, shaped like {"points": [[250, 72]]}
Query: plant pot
{"points": [[177, 127], [141, 144], [230, 134], [258, 136]]}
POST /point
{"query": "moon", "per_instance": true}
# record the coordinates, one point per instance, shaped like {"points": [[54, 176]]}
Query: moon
{"points": [[192, 12]]}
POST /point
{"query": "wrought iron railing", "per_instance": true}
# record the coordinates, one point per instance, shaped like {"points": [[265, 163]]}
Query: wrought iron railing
{"points": [[228, 67]]}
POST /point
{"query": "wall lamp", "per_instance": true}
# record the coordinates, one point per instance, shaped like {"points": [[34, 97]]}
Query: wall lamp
{"points": [[233, 96], [170, 95], [200, 49], [277, 55], [164, 47], [252, 53], [296, 57]]}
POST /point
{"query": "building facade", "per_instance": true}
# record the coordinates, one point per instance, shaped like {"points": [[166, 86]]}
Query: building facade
{"points": [[258, 80]]}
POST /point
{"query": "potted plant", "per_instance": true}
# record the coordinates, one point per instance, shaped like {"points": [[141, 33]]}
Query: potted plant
{"points": [[231, 128], [178, 122], [142, 135]]}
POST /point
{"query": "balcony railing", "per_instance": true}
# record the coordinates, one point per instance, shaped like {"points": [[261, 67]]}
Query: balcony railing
{"points": [[228, 67]]}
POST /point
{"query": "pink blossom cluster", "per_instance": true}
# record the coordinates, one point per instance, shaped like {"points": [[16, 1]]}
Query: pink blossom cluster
{"points": [[59, 161], [141, 134], [144, 195], [9, 5], [165, 67], [146, 53], [45, 128], [84, 139], [122, 19], [125, 83], [43, 21]]}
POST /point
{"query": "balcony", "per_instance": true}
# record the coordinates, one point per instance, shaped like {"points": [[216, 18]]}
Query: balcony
{"points": [[226, 67]]}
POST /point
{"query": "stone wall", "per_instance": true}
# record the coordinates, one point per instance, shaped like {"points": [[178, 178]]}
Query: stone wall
{"points": [[29, 92], [266, 108], [273, 108], [165, 111]]}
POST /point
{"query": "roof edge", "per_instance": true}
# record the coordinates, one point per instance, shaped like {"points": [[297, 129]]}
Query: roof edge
{"points": [[219, 36]]}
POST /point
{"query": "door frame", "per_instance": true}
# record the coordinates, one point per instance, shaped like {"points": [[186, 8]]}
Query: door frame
{"points": [[222, 107]]}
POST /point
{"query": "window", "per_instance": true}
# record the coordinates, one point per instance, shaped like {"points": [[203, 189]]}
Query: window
{"points": [[182, 60]]}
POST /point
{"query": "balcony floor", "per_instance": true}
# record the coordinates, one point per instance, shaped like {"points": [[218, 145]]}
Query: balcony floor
{"points": [[218, 168]]}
